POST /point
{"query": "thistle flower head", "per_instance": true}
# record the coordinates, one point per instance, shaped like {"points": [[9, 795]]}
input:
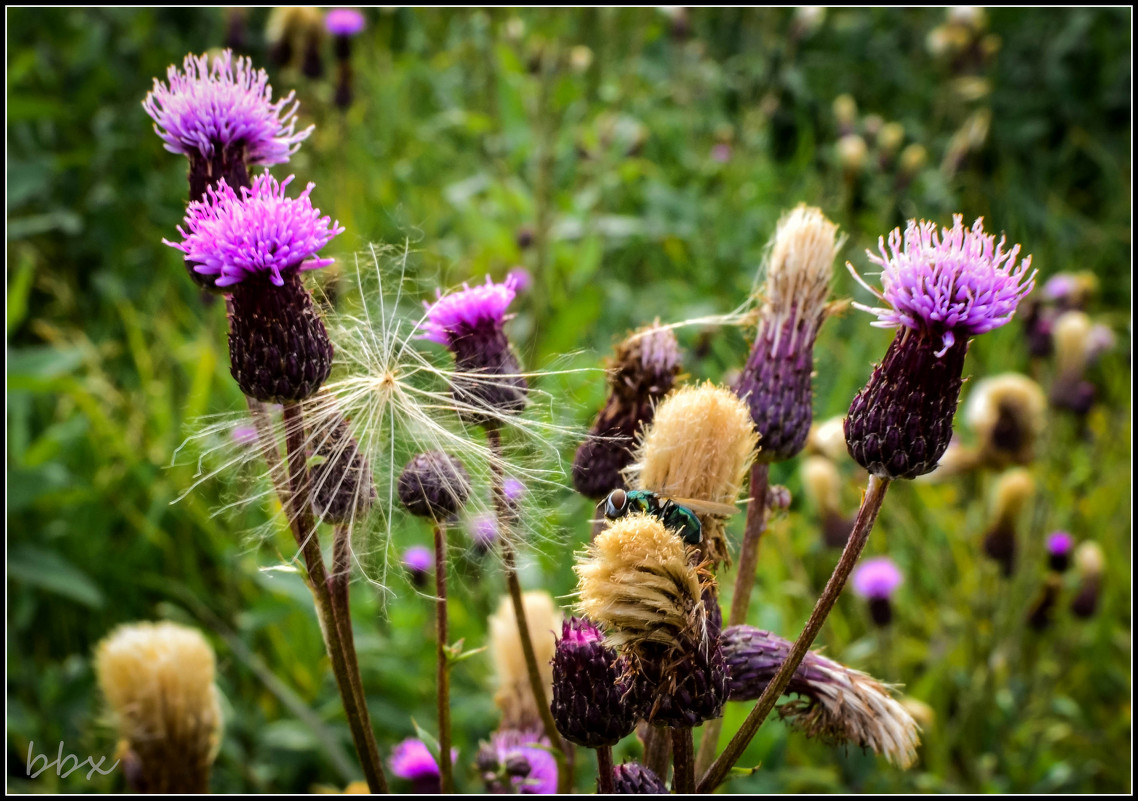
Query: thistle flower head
{"points": [[632, 778], [699, 446], [1059, 547], [835, 702], [261, 234], [227, 106], [1089, 560], [518, 761], [342, 484], [948, 285], [1013, 490], [799, 268], [434, 484], [638, 581], [488, 382], [1071, 334], [418, 559], [1007, 413], [876, 578], [412, 760], [458, 314], [822, 483], [344, 22], [593, 704], [158, 679], [514, 696], [484, 531], [643, 370], [828, 439]]}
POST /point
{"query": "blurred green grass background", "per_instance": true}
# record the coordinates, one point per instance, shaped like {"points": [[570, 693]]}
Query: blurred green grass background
{"points": [[647, 161]]}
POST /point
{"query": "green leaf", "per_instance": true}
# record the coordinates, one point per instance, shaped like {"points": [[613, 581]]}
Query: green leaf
{"points": [[51, 572]]}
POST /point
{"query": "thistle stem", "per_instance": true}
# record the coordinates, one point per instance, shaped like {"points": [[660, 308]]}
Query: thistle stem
{"points": [[605, 782], [446, 774], [744, 584], [683, 761], [561, 752], [867, 514], [657, 744], [333, 622]]}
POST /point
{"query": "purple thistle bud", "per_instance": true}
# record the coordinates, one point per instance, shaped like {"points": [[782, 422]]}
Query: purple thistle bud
{"points": [[643, 371], [434, 484], [1059, 547], [258, 244], [940, 290], [223, 119], [632, 778], [418, 561], [590, 688], [469, 323], [412, 760], [518, 758], [776, 379]]}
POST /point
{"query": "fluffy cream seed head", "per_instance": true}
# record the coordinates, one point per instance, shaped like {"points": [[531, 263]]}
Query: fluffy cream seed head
{"points": [[1013, 490], [700, 444], [158, 679], [513, 696], [637, 581], [799, 268], [1017, 399], [1071, 334], [822, 483]]}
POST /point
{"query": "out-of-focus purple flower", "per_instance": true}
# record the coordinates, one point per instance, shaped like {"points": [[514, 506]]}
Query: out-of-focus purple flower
{"points": [[412, 760], [456, 315], [228, 105], [721, 153], [953, 284], [418, 561], [344, 22], [244, 435], [876, 578], [484, 532], [521, 278], [513, 490], [522, 756], [1060, 542], [262, 233], [1059, 547], [1059, 286]]}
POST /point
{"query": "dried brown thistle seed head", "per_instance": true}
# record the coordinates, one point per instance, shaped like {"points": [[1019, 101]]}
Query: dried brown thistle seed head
{"points": [[700, 445], [158, 679], [514, 696]]}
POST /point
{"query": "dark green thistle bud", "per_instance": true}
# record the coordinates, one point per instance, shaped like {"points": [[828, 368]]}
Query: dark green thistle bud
{"points": [[591, 704], [776, 380], [940, 288], [632, 778], [342, 485], [435, 485], [643, 371]]}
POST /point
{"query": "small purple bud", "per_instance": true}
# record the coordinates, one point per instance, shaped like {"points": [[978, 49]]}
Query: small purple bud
{"points": [[418, 561], [1059, 547]]}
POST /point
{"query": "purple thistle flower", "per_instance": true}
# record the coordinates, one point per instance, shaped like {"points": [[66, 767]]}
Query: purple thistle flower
{"points": [[228, 106], [412, 760], [953, 284], [418, 561], [876, 578], [940, 290], [513, 489], [453, 316], [524, 757], [344, 22], [244, 435], [1059, 547], [488, 383], [263, 233], [521, 278], [591, 688], [484, 532]]}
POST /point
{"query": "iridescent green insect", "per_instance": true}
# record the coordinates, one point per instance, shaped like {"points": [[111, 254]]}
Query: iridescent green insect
{"points": [[677, 514]]}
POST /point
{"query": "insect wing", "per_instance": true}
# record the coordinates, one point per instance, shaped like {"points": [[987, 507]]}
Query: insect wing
{"points": [[706, 507]]}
